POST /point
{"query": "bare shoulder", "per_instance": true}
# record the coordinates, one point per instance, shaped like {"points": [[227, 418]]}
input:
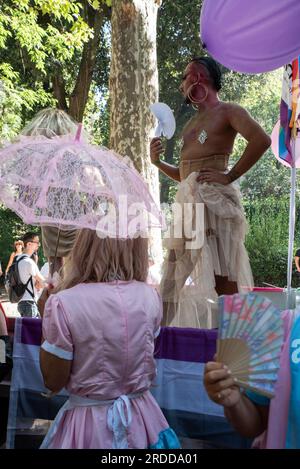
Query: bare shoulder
{"points": [[230, 113], [238, 117], [233, 109], [242, 122]]}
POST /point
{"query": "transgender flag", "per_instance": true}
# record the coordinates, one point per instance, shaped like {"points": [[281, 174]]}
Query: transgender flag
{"points": [[289, 110], [180, 357]]}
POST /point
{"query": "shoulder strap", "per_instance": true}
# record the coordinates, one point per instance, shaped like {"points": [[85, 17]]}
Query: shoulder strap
{"points": [[31, 293], [20, 258]]}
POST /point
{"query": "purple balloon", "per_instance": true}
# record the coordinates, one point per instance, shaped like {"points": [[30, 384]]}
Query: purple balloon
{"points": [[251, 37]]}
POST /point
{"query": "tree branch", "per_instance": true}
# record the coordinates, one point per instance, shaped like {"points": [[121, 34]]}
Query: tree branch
{"points": [[79, 96]]}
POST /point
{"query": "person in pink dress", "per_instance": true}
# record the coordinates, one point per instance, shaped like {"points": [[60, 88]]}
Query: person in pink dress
{"points": [[99, 328]]}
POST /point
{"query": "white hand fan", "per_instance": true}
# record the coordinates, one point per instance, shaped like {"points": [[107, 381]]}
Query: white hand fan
{"points": [[249, 342], [166, 121]]}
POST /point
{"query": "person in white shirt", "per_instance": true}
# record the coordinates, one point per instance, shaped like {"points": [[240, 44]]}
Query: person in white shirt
{"points": [[30, 275]]}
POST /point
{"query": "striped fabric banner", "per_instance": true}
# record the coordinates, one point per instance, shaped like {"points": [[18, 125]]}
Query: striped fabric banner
{"points": [[30, 412], [180, 355]]}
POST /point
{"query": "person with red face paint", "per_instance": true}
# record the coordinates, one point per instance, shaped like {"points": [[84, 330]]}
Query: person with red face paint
{"points": [[209, 259]]}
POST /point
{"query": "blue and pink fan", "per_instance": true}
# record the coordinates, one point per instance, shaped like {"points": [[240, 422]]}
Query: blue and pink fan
{"points": [[249, 341]]}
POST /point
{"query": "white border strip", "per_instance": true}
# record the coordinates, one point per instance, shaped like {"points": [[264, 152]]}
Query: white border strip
{"points": [[59, 352]]}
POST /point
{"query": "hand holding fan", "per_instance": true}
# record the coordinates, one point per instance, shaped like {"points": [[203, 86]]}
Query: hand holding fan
{"points": [[166, 121], [249, 341]]}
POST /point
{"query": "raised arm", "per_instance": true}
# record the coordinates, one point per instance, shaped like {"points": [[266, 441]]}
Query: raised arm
{"points": [[169, 170], [258, 140]]}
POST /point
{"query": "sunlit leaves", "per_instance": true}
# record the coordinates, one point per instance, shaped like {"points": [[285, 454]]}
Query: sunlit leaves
{"points": [[44, 28], [96, 4], [35, 37], [14, 97]]}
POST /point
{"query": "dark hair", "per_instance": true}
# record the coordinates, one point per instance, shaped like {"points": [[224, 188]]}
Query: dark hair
{"points": [[213, 69], [29, 237]]}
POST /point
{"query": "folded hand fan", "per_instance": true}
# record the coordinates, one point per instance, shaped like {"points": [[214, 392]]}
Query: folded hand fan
{"points": [[249, 342], [166, 121]]}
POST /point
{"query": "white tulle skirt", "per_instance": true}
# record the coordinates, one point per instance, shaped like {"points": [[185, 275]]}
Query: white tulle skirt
{"points": [[188, 282]]}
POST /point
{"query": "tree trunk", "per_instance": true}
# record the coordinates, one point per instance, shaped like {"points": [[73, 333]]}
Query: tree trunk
{"points": [[134, 86]]}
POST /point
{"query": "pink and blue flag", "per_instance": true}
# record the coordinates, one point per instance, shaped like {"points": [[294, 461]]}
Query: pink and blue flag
{"points": [[289, 111]]}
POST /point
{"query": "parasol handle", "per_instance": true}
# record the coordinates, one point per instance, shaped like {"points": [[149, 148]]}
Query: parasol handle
{"points": [[78, 133], [54, 263]]}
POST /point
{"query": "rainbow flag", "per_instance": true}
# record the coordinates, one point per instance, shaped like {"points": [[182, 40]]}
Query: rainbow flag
{"points": [[289, 110]]}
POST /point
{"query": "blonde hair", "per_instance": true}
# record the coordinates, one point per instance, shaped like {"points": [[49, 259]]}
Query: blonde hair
{"points": [[50, 122], [95, 259]]}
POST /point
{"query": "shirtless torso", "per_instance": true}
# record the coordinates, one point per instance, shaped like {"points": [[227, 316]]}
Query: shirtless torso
{"points": [[208, 134], [207, 141], [217, 126]]}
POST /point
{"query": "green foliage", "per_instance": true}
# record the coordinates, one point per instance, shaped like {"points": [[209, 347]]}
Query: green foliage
{"points": [[268, 177], [36, 38], [97, 116], [14, 98], [44, 29], [267, 240], [266, 189], [96, 4], [96, 122]]}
